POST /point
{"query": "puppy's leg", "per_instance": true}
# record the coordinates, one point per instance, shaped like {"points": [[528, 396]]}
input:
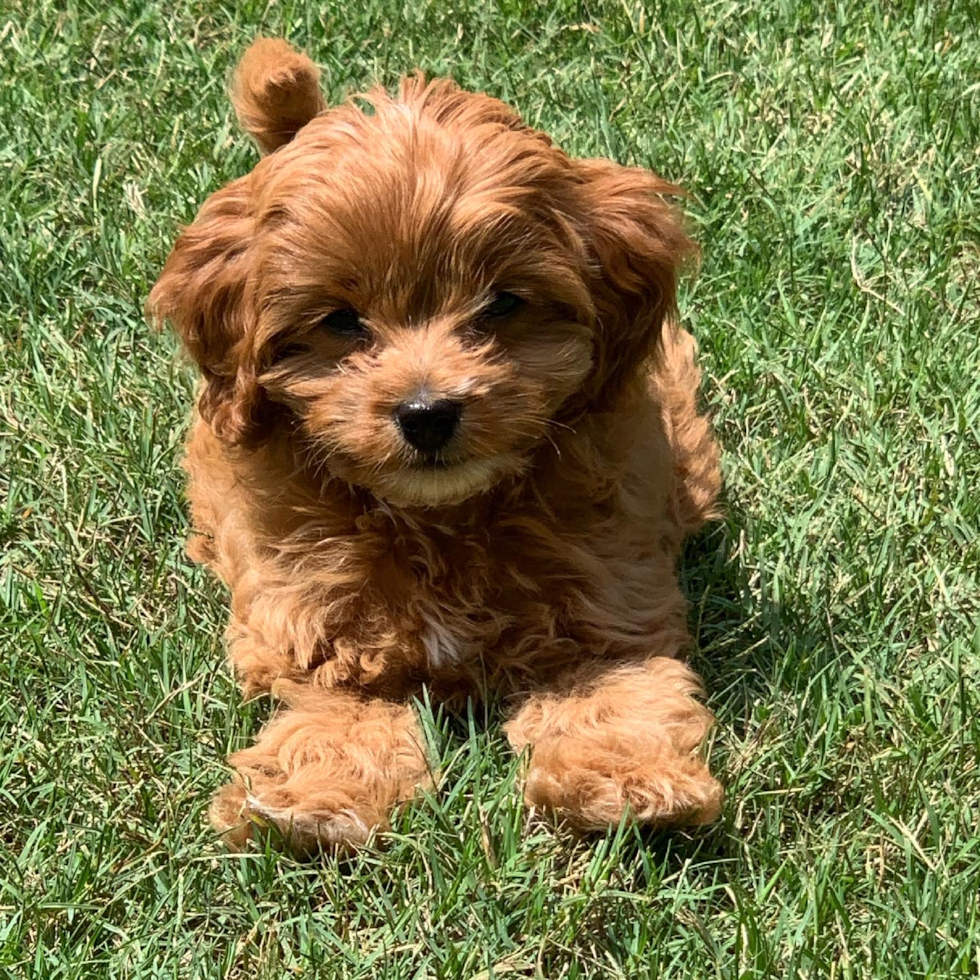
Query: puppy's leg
{"points": [[326, 771], [606, 742]]}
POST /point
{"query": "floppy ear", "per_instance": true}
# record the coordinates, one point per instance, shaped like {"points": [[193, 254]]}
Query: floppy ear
{"points": [[202, 291], [275, 92], [203, 287], [639, 245]]}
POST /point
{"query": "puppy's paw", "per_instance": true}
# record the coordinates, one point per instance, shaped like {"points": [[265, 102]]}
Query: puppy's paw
{"points": [[328, 821], [324, 774], [592, 786]]}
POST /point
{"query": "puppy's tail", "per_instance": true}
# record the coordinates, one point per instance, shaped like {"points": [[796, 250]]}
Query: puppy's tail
{"points": [[275, 92], [697, 470]]}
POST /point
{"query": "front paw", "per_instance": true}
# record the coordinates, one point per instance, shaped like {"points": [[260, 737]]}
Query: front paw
{"points": [[324, 774], [593, 786], [304, 824]]}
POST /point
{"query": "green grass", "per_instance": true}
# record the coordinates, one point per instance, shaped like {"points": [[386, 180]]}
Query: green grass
{"points": [[832, 151]]}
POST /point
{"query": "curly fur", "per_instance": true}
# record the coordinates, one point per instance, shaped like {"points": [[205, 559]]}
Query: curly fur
{"points": [[536, 560]]}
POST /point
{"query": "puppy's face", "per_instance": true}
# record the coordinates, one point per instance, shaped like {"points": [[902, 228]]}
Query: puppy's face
{"points": [[423, 288], [422, 304]]}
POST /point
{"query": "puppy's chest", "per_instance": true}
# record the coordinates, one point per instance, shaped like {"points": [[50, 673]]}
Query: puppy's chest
{"points": [[447, 644], [451, 598]]}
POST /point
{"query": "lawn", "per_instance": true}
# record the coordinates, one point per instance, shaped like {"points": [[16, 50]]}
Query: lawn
{"points": [[831, 151]]}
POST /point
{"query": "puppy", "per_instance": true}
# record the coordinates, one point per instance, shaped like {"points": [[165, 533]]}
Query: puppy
{"points": [[446, 437]]}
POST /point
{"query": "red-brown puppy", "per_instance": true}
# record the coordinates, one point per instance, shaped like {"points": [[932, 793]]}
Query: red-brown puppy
{"points": [[446, 436]]}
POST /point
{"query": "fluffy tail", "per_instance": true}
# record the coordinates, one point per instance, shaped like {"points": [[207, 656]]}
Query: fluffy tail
{"points": [[275, 92], [697, 472]]}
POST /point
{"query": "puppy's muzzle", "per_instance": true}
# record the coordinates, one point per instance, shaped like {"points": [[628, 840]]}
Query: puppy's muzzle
{"points": [[428, 425]]}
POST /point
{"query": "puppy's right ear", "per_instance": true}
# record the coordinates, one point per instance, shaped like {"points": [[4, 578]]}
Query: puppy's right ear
{"points": [[202, 292], [275, 92]]}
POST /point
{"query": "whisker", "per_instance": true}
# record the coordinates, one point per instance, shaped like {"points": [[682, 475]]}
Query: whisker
{"points": [[560, 425]]}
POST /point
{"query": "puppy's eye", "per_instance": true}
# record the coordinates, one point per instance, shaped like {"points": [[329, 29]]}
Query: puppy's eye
{"points": [[345, 323], [502, 304]]}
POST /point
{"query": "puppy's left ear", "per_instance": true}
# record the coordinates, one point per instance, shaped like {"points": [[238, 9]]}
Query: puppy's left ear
{"points": [[202, 292], [276, 92], [639, 245]]}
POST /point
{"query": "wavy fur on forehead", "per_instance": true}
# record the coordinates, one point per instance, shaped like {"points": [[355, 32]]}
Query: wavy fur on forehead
{"points": [[533, 554], [611, 240]]}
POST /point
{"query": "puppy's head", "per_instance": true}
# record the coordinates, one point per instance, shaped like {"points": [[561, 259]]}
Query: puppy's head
{"points": [[422, 283]]}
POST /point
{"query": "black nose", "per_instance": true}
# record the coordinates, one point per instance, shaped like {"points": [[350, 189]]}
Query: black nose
{"points": [[426, 425]]}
